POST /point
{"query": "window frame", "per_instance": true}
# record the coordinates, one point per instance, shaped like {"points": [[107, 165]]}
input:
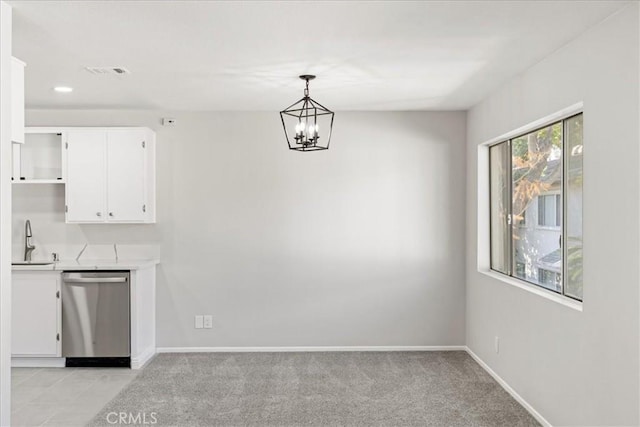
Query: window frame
{"points": [[509, 248], [561, 117]]}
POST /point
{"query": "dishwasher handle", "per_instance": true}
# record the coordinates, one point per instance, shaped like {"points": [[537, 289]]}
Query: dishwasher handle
{"points": [[95, 280]]}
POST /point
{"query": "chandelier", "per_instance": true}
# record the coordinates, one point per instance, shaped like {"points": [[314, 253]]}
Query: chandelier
{"points": [[307, 123]]}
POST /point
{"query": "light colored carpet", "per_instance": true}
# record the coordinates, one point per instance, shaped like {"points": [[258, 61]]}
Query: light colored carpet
{"points": [[317, 389]]}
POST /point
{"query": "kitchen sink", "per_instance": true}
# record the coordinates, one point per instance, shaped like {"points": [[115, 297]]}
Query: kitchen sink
{"points": [[31, 263]]}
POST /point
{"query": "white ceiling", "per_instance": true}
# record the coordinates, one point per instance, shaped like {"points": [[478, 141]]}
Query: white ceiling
{"points": [[247, 55]]}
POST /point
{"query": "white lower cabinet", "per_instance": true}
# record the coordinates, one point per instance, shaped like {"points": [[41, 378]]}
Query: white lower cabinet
{"points": [[36, 314], [36, 327]]}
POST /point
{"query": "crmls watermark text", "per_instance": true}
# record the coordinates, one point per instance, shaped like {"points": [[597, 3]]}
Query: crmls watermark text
{"points": [[131, 418]]}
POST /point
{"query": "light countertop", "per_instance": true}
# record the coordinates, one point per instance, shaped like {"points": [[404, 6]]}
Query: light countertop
{"points": [[90, 264]]}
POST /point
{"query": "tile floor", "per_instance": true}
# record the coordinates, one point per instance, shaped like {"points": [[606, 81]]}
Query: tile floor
{"points": [[63, 396]]}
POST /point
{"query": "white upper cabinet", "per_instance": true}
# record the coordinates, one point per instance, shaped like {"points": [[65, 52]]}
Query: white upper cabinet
{"points": [[126, 172], [17, 100], [110, 175], [86, 176]]}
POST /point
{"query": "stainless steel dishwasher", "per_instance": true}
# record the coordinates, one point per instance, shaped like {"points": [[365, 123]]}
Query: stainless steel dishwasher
{"points": [[96, 318]]}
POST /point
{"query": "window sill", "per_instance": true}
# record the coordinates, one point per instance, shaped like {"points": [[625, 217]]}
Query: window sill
{"points": [[537, 290]]}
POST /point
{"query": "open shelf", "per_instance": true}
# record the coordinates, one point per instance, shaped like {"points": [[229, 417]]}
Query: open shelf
{"points": [[39, 181], [39, 159]]}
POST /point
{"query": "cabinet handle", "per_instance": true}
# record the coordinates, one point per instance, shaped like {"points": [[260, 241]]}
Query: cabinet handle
{"points": [[121, 279], [98, 213], [110, 213]]}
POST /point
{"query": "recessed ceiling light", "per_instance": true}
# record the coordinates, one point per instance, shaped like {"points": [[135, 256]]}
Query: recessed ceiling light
{"points": [[63, 89]]}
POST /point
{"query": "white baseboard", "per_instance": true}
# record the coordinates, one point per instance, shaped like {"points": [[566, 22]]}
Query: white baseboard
{"points": [[307, 349], [509, 390], [141, 360], [38, 362]]}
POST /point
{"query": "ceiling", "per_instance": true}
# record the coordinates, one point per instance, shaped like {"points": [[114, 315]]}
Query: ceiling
{"points": [[234, 56]]}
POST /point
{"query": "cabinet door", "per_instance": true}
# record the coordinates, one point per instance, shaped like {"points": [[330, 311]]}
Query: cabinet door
{"points": [[86, 175], [126, 175], [17, 101], [35, 315]]}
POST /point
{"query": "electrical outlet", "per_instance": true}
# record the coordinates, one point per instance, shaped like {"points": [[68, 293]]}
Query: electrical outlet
{"points": [[208, 321], [497, 344], [199, 321]]}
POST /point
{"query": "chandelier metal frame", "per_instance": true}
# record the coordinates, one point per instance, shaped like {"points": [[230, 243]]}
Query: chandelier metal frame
{"points": [[307, 111]]}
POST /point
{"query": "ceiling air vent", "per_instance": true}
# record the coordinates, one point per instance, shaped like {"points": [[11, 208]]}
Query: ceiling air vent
{"points": [[108, 70]]}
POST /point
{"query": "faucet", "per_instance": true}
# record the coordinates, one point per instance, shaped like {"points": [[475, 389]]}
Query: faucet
{"points": [[28, 247]]}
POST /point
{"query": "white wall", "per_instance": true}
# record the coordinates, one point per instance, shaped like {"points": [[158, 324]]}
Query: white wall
{"points": [[359, 245], [575, 368], [5, 213]]}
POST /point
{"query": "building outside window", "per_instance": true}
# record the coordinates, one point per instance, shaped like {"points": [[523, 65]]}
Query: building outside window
{"points": [[549, 279]]}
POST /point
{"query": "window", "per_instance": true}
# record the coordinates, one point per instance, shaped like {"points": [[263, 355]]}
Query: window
{"points": [[538, 176], [549, 210]]}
